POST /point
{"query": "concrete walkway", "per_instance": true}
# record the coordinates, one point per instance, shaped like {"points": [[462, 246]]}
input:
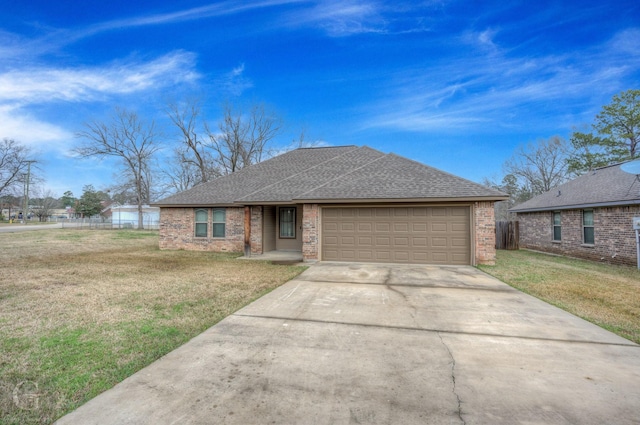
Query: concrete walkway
{"points": [[386, 344]]}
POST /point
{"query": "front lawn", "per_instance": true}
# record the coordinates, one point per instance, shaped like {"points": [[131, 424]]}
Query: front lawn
{"points": [[606, 295], [80, 310]]}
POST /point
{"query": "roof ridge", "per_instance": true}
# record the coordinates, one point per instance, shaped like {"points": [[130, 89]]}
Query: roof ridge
{"points": [[343, 175], [306, 170]]}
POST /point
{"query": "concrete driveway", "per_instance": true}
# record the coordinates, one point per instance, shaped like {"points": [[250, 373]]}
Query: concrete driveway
{"points": [[386, 344]]}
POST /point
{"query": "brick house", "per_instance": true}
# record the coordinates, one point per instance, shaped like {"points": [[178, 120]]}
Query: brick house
{"points": [[343, 203], [589, 217]]}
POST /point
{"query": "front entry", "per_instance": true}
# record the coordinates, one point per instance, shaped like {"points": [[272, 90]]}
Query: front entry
{"points": [[288, 229]]}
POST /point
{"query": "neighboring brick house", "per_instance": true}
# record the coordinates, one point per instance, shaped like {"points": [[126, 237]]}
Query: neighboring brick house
{"points": [[589, 217], [337, 204]]}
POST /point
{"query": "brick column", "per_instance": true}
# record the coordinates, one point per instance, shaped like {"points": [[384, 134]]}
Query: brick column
{"points": [[256, 230], [485, 233], [310, 232]]}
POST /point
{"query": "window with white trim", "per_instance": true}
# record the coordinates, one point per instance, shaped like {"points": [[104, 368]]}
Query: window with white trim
{"points": [[588, 234], [219, 222], [557, 226], [202, 222]]}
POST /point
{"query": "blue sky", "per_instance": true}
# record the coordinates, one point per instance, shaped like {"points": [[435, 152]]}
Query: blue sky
{"points": [[454, 84]]}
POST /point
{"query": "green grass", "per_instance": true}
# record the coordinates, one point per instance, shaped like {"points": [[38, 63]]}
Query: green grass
{"points": [[607, 295], [80, 310]]}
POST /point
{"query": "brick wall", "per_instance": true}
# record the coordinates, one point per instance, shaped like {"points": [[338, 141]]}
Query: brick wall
{"points": [[485, 232], [177, 231], [310, 226], [614, 237], [256, 230]]}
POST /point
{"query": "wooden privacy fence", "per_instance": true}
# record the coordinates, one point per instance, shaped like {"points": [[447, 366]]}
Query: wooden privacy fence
{"points": [[507, 235]]}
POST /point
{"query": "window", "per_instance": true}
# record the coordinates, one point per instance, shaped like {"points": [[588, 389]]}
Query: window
{"points": [[202, 220], [587, 227], [219, 222], [288, 223], [557, 226]]}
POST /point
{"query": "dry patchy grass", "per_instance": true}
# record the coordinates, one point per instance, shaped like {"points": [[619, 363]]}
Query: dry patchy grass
{"points": [[80, 310], [606, 295]]}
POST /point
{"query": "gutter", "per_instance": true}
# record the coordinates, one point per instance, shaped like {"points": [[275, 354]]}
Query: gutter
{"points": [[577, 206]]}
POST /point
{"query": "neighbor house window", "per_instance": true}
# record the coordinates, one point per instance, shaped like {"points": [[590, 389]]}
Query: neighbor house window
{"points": [[587, 227], [219, 220], [288, 222], [557, 226], [202, 220]]}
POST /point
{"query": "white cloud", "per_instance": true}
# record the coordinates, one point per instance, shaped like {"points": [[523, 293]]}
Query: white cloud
{"points": [[38, 84], [234, 82], [21, 126], [477, 91], [339, 18]]}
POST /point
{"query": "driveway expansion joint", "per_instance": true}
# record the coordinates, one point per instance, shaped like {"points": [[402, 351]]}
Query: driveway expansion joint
{"points": [[409, 285], [453, 378], [444, 331]]}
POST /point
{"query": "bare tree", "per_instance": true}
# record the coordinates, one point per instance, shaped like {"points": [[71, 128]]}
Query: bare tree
{"points": [[14, 160], [540, 166], [242, 139], [192, 152], [180, 174], [131, 141], [43, 203]]}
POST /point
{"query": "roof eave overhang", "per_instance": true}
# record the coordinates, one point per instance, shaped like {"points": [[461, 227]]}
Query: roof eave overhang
{"points": [[578, 206], [195, 205], [400, 200], [337, 201]]}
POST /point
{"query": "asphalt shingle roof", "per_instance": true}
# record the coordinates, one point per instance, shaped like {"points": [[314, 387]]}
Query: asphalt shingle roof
{"points": [[605, 186], [332, 174]]}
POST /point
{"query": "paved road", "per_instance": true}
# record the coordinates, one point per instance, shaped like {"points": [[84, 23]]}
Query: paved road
{"points": [[28, 227], [386, 344]]}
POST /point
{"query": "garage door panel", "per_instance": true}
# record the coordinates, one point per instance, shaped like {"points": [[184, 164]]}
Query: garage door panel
{"points": [[419, 242], [348, 241], [439, 242], [347, 226], [331, 227], [419, 227], [401, 227], [435, 235], [459, 227], [439, 227], [331, 240], [365, 227], [383, 241], [458, 242], [382, 227], [401, 242], [365, 241]]}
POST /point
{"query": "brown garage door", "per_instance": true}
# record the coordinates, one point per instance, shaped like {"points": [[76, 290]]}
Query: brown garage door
{"points": [[430, 235]]}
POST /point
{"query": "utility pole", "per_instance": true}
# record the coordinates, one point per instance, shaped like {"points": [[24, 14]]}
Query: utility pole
{"points": [[25, 210]]}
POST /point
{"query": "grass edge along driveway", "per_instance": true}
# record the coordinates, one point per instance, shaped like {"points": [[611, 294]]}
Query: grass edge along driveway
{"points": [[606, 295], [81, 310]]}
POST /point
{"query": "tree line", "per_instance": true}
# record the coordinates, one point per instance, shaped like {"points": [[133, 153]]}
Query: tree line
{"points": [[540, 166], [201, 151]]}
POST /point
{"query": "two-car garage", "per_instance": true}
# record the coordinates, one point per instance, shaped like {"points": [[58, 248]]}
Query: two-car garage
{"points": [[414, 234]]}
